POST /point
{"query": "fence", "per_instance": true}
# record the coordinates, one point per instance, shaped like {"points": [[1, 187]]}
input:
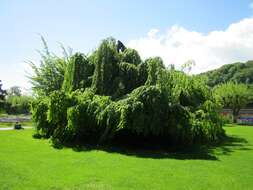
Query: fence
{"points": [[245, 115]]}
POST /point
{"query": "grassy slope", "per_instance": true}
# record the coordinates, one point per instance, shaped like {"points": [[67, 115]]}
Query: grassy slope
{"points": [[27, 163]]}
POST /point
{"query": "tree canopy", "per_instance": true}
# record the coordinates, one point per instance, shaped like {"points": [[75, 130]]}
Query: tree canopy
{"points": [[111, 94], [17, 104], [14, 91], [234, 96], [12, 101], [49, 75]]}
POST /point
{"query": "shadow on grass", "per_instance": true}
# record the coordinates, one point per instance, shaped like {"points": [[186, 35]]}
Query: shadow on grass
{"points": [[194, 152]]}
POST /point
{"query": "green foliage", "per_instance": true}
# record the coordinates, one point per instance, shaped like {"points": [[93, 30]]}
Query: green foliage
{"points": [[128, 78], [14, 102], [116, 74], [49, 75], [58, 104], [234, 96], [237, 72], [227, 119], [189, 91], [207, 122], [194, 107], [154, 67], [18, 104], [145, 112], [106, 69], [78, 73], [142, 73], [84, 119], [127, 97], [100, 119], [39, 116], [131, 56]]}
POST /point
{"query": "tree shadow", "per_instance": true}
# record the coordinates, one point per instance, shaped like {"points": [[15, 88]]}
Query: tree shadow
{"points": [[227, 146]]}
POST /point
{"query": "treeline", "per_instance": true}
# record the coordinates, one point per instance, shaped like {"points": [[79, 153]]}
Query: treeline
{"points": [[236, 72], [112, 93], [233, 84], [12, 101]]}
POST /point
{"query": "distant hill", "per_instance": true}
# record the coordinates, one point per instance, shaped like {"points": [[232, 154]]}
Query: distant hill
{"points": [[238, 72]]}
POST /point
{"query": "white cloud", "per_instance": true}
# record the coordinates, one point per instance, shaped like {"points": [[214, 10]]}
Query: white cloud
{"points": [[152, 33], [209, 51], [176, 46]]}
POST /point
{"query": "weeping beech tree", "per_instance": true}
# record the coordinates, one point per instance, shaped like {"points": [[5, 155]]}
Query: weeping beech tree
{"points": [[112, 94], [78, 73], [49, 75], [131, 56], [154, 66], [116, 73], [106, 69]]}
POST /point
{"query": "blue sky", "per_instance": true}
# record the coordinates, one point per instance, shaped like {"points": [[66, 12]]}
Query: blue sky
{"points": [[82, 24]]}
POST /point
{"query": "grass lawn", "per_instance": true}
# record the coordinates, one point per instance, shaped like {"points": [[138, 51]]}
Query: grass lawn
{"points": [[27, 163]]}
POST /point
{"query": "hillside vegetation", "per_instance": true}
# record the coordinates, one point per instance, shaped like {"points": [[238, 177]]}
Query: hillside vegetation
{"points": [[236, 72]]}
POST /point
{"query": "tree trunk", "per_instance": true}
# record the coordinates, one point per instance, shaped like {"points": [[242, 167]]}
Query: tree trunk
{"points": [[235, 115], [235, 118]]}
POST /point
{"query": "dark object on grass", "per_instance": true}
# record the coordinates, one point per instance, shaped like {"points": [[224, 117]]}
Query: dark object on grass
{"points": [[18, 126]]}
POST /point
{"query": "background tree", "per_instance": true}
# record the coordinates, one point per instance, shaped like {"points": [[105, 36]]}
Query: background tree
{"points": [[14, 91], [18, 104], [187, 66], [234, 96], [2, 95], [236, 72]]}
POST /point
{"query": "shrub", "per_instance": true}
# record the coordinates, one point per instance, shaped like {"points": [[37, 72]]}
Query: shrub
{"points": [[39, 116], [84, 120], [227, 119]]}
